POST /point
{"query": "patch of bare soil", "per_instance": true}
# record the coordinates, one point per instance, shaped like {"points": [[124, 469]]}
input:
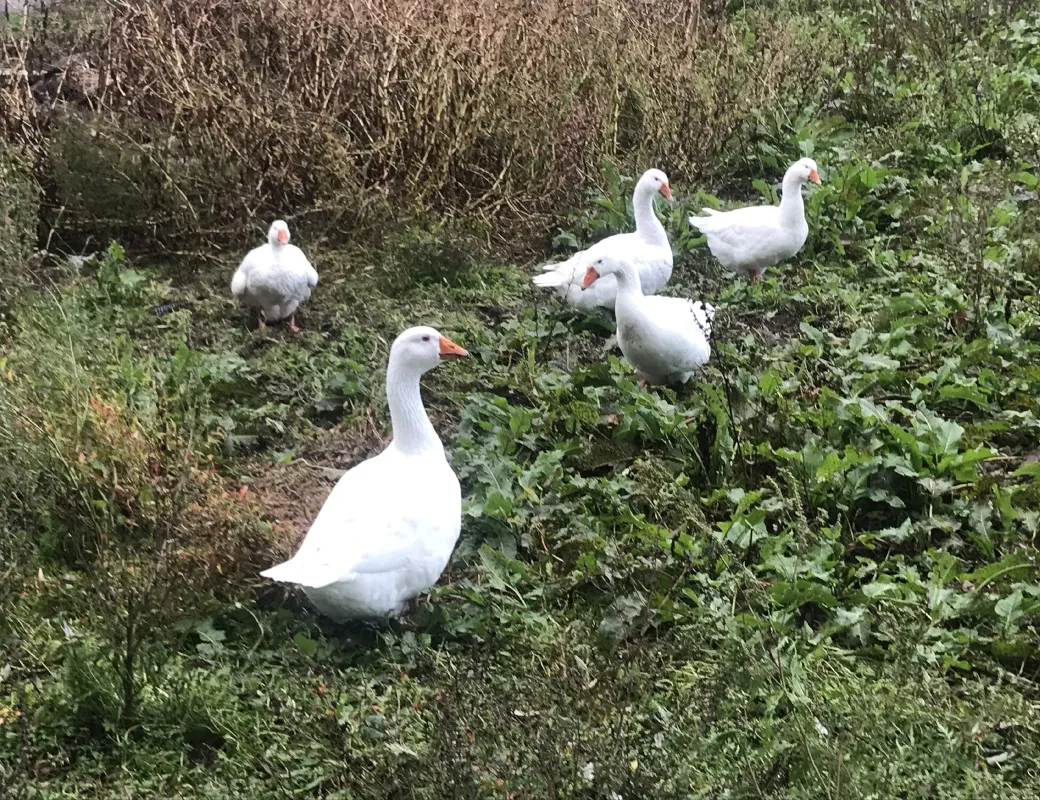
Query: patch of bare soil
{"points": [[770, 329], [289, 496]]}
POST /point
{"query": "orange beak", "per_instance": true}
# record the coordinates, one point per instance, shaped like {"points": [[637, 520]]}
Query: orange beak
{"points": [[591, 276], [814, 176], [451, 350], [283, 235], [666, 190]]}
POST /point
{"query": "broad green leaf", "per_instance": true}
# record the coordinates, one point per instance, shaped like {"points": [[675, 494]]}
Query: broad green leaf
{"points": [[769, 382], [831, 464], [1003, 503], [859, 338], [876, 589], [497, 505], [307, 646], [565, 239], [969, 393], [896, 534], [1014, 566], [1009, 608], [935, 486], [876, 361], [401, 750], [846, 617], [813, 333], [1032, 469], [792, 595]]}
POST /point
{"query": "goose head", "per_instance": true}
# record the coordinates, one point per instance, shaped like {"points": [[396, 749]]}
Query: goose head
{"points": [[422, 348], [607, 265], [653, 181], [802, 170], [278, 233]]}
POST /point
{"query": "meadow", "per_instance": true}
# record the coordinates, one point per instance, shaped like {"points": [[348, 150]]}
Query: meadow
{"points": [[810, 574]]}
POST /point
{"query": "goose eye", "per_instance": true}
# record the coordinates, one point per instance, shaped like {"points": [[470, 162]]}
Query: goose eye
{"points": [[426, 338]]}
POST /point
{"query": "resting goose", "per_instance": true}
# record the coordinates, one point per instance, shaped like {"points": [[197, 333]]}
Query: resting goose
{"points": [[275, 277], [647, 249], [747, 240], [666, 339], [388, 528]]}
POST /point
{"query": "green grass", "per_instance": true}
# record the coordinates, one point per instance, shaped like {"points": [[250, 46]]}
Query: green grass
{"points": [[813, 574]]}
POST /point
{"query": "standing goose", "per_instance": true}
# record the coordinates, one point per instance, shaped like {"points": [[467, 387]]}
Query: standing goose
{"points": [[388, 528], [647, 249], [666, 339], [747, 240], [275, 277]]}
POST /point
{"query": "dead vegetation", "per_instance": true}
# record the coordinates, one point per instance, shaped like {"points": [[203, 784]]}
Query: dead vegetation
{"points": [[207, 115]]}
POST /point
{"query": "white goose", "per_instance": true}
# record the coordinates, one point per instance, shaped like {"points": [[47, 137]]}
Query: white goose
{"points": [[388, 528], [747, 240], [666, 339], [647, 249], [275, 277]]}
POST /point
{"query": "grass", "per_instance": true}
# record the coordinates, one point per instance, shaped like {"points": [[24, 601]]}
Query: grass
{"points": [[813, 574]]}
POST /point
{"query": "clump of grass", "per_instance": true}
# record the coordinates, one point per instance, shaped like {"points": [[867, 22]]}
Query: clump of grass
{"points": [[107, 483]]}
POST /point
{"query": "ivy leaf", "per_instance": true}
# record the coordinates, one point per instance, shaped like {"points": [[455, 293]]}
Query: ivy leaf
{"points": [[617, 623]]}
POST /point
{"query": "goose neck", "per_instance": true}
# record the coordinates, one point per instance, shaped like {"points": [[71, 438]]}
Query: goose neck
{"points": [[792, 207], [648, 226], [413, 432], [628, 282]]}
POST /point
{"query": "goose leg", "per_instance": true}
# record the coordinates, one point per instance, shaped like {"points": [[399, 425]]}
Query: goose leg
{"points": [[292, 323], [261, 323]]}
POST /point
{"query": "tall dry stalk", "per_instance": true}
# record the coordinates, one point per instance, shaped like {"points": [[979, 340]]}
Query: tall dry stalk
{"points": [[219, 112]]}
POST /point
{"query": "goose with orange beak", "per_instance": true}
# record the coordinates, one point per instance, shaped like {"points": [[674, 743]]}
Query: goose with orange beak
{"points": [[390, 524], [275, 278], [647, 249], [748, 240], [666, 339]]}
